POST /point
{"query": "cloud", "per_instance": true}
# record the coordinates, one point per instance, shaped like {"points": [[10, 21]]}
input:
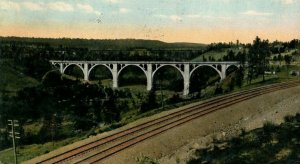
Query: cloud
{"points": [[33, 6], [113, 1], [57, 6], [194, 16], [287, 2], [9, 5], [256, 13], [124, 10], [60, 6], [87, 8], [207, 17], [174, 18]]}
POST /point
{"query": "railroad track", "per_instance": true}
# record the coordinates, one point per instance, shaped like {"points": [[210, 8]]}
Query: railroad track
{"points": [[98, 150]]}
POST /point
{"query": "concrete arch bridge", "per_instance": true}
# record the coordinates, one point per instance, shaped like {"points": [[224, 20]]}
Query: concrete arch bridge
{"points": [[186, 68]]}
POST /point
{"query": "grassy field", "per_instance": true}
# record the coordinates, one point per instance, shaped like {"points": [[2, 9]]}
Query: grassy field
{"points": [[215, 54], [12, 77], [29, 151]]}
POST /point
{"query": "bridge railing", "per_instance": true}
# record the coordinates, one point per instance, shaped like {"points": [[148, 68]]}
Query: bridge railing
{"points": [[142, 62]]}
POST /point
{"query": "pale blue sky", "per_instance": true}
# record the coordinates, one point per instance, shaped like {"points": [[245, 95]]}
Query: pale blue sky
{"points": [[168, 20]]}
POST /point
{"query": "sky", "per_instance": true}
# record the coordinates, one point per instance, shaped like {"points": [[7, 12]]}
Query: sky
{"points": [[198, 21]]}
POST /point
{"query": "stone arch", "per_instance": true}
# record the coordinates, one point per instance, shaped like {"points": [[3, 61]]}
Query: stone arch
{"points": [[228, 66], [140, 69], [137, 65], [78, 65], [92, 67], [219, 72], [179, 68], [172, 65]]}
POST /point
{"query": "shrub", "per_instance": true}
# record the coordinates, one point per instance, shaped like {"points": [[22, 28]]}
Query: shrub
{"points": [[174, 99], [288, 118]]}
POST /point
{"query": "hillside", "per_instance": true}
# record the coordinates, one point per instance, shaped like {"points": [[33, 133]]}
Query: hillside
{"points": [[103, 44], [12, 77], [222, 124], [215, 54], [278, 144]]}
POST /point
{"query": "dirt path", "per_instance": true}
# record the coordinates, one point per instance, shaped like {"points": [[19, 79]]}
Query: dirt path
{"points": [[178, 145]]}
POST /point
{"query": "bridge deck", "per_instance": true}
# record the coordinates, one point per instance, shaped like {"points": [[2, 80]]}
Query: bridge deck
{"points": [[143, 62]]}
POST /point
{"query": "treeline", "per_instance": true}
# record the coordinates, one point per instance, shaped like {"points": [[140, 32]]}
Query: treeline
{"points": [[99, 44], [34, 53], [84, 49], [59, 100]]}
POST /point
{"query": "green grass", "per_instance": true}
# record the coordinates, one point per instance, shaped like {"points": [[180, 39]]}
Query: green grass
{"points": [[30, 151], [284, 53], [216, 54], [6, 156], [12, 77]]}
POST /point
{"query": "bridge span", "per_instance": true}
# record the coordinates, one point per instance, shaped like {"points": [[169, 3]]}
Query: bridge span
{"points": [[148, 67]]}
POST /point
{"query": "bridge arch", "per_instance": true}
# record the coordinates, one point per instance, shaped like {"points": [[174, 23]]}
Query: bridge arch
{"points": [[96, 65], [164, 65], [203, 65], [132, 74], [73, 64], [176, 70], [231, 66], [137, 65]]}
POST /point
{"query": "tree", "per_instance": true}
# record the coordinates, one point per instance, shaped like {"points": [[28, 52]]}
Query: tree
{"points": [[287, 59], [230, 55], [150, 102], [241, 57], [259, 53], [203, 58], [199, 79], [239, 77], [279, 58]]}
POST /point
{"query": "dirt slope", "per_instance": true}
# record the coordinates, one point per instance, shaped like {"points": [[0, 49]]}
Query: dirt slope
{"points": [[178, 145]]}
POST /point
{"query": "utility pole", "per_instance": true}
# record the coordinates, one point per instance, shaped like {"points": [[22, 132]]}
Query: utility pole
{"points": [[13, 135]]}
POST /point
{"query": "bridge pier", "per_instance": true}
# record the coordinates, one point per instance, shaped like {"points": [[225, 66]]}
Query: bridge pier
{"points": [[223, 72], [115, 75], [61, 68], [86, 71], [149, 77], [186, 79]]}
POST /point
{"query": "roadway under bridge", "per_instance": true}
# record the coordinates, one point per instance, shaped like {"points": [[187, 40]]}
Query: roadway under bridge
{"points": [[186, 69]]}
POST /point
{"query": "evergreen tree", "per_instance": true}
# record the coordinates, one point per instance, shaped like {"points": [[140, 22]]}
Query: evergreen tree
{"points": [[258, 57]]}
